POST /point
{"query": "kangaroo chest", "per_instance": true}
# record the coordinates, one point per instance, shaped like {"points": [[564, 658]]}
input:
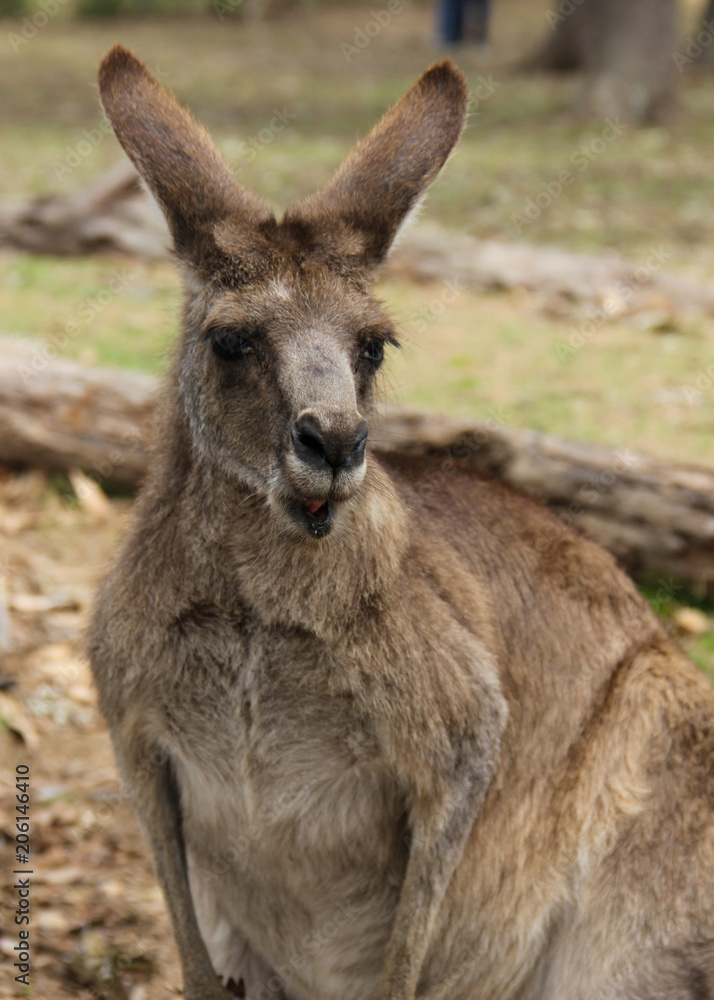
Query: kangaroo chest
{"points": [[290, 820]]}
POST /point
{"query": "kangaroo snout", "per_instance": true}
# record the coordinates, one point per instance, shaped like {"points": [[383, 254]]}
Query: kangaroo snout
{"points": [[324, 465], [323, 444]]}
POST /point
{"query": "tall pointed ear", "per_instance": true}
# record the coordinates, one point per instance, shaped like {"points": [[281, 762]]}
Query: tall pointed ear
{"points": [[386, 175], [174, 154]]}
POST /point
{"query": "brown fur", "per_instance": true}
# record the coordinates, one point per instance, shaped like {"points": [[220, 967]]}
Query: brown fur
{"points": [[432, 746]]}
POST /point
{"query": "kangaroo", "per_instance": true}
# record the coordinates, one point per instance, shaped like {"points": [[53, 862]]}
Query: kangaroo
{"points": [[385, 742]]}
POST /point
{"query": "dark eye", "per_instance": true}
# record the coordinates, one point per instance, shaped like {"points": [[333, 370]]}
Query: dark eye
{"points": [[373, 353], [231, 345]]}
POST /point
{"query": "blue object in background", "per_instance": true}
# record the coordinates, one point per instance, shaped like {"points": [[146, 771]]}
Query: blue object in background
{"points": [[463, 21]]}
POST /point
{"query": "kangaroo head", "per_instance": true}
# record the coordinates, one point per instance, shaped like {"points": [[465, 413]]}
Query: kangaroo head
{"points": [[276, 367]]}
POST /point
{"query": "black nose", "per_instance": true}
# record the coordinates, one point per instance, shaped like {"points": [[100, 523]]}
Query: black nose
{"points": [[338, 450]]}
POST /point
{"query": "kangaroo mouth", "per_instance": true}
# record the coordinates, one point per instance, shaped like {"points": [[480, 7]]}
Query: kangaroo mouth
{"points": [[317, 510], [316, 516], [316, 507]]}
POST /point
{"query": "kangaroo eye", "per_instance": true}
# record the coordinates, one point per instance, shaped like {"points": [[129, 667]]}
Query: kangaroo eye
{"points": [[231, 345], [374, 353]]}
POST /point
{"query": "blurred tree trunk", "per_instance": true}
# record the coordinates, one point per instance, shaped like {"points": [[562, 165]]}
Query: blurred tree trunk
{"points": [[562, 51], [704, 39], [624, 48]]}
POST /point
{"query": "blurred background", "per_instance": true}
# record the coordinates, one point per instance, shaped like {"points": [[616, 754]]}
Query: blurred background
{"points": [[559, 281]]}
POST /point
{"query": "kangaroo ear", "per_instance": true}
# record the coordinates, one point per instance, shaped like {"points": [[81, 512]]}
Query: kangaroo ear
{"points": [[174, 154], [385, 176]]}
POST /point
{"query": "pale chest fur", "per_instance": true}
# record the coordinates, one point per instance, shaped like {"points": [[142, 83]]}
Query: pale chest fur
{"points": [[292, 825]]}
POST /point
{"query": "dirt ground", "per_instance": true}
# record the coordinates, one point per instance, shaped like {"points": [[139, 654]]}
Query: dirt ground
{"points": [[98, 926]]}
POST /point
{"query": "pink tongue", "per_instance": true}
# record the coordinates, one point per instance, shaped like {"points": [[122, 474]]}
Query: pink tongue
{"points": [[313, 506]]}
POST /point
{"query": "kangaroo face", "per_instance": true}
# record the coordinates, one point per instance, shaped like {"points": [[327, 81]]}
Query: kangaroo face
{"points": [[282, 339], [277, 380]]}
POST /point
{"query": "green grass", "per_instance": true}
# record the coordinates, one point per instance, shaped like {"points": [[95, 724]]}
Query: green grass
{"points": [[701, 651], [666, 597], [98, 310]]}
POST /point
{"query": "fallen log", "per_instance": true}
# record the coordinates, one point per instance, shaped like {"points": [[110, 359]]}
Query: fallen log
{"points": [[112, 215], [58, 414], [607, 281], [654, 516]]}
